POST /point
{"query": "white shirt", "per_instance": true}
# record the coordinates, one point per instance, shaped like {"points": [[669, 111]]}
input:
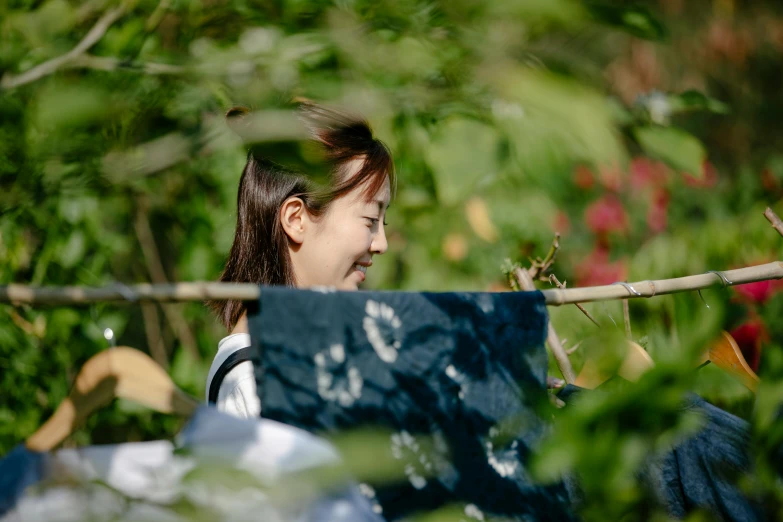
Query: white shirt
{"points": [[237, 395]]}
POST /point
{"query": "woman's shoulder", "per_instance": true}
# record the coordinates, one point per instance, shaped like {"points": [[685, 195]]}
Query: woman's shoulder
{"points": [[237, 390], [234, 342], [227, 347]]}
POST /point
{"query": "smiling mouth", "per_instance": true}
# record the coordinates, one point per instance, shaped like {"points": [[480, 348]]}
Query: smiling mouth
{"points": [[360, 268]]}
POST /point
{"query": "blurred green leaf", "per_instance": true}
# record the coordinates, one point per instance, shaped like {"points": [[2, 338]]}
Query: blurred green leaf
{"points": [[554, 122], [494, 102], [50, 19], [73, 250], [123, 38], [189, 374], [536, 12], [74, 210], [462, 154], [697, 101], [676, 147], [62, 106], [636, 20]]}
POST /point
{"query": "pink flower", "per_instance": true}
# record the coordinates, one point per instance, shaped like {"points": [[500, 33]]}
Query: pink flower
{"points": [[657, 213], [598, 270], [757, 292], [606, 215], [760, 291], [647, 173], [709, 176]]}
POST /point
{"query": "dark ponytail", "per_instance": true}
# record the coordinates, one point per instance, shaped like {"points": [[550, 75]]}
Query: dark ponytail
{"points": [[259, 253]]}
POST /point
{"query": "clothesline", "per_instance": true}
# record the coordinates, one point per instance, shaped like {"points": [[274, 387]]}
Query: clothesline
{"points": [[202, 291]]}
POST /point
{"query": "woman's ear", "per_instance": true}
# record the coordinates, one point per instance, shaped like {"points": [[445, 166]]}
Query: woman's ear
{"points": [[294, 218]]}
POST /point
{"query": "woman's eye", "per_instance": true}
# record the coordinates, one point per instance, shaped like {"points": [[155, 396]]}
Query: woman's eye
{"points": [[372, 221]]}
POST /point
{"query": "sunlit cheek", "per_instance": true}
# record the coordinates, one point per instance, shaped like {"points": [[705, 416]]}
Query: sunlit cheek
{"points": [[362, 234], [369, 238]]}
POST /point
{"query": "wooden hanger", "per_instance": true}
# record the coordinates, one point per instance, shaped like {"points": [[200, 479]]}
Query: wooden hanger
{"points": [[120, 372], [725, 353], [635, 363]]}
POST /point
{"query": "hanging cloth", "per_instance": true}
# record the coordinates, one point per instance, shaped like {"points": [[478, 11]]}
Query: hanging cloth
{"points": [[698, 473], [459, 374]]}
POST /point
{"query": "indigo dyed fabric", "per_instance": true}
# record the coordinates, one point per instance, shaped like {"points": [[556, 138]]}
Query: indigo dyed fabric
{"points": [[453, 377], [701, 472], [19, 469]]}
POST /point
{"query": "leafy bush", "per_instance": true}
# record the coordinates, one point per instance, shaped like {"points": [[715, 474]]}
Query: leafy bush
{"points": [[647, 136]]}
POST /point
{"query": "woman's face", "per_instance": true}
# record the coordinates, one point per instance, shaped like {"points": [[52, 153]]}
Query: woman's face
{"points": [[337, 249]]}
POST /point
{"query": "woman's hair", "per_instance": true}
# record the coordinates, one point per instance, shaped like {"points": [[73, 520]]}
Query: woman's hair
{"points": [[259, 253]]}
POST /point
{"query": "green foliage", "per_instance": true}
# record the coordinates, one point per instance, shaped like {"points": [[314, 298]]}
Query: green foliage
{"points": [[636, 20], [679, 149], [509, 120], [462, 153]]}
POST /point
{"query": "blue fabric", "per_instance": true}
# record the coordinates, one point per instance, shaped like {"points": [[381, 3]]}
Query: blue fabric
{"points": [[19, 469], [700, 472], [464, 371]]}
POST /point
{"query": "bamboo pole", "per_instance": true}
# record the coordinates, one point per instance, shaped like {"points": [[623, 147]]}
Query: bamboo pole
{"points": [[752, 274], [774, 220], [173, 292], [525, 282], [202, 291]]}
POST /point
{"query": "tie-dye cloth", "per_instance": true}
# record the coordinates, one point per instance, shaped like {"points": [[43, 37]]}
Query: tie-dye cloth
{"points": [[455, 378]]}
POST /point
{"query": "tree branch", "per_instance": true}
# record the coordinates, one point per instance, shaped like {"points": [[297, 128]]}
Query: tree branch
{"points": [[28, 327], [157, 15], [152, 330], [108, 64], [627, 319], [525, 282], [539, 267], [553, 279], [773, 218], [573, 348], [158, 275], [51, 66]]}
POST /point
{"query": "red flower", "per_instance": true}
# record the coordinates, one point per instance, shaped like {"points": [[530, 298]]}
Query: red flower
{"points": [[657, 213], [709, 176], [584, 178], [758, 292], [647, 173], [749, 336], [597, 270], [606, 215]]}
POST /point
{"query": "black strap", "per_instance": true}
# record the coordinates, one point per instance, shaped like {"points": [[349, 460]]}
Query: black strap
{"points": [[238, 357]]}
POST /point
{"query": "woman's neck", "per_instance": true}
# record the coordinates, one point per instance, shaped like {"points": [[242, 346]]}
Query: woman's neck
{"points": [[241, 326]]}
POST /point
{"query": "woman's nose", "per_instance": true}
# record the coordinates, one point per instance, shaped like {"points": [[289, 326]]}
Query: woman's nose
{"points": [[379, 244]]}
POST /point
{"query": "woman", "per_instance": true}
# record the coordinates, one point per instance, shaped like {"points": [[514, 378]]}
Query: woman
{"points": [[290, 232]]}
